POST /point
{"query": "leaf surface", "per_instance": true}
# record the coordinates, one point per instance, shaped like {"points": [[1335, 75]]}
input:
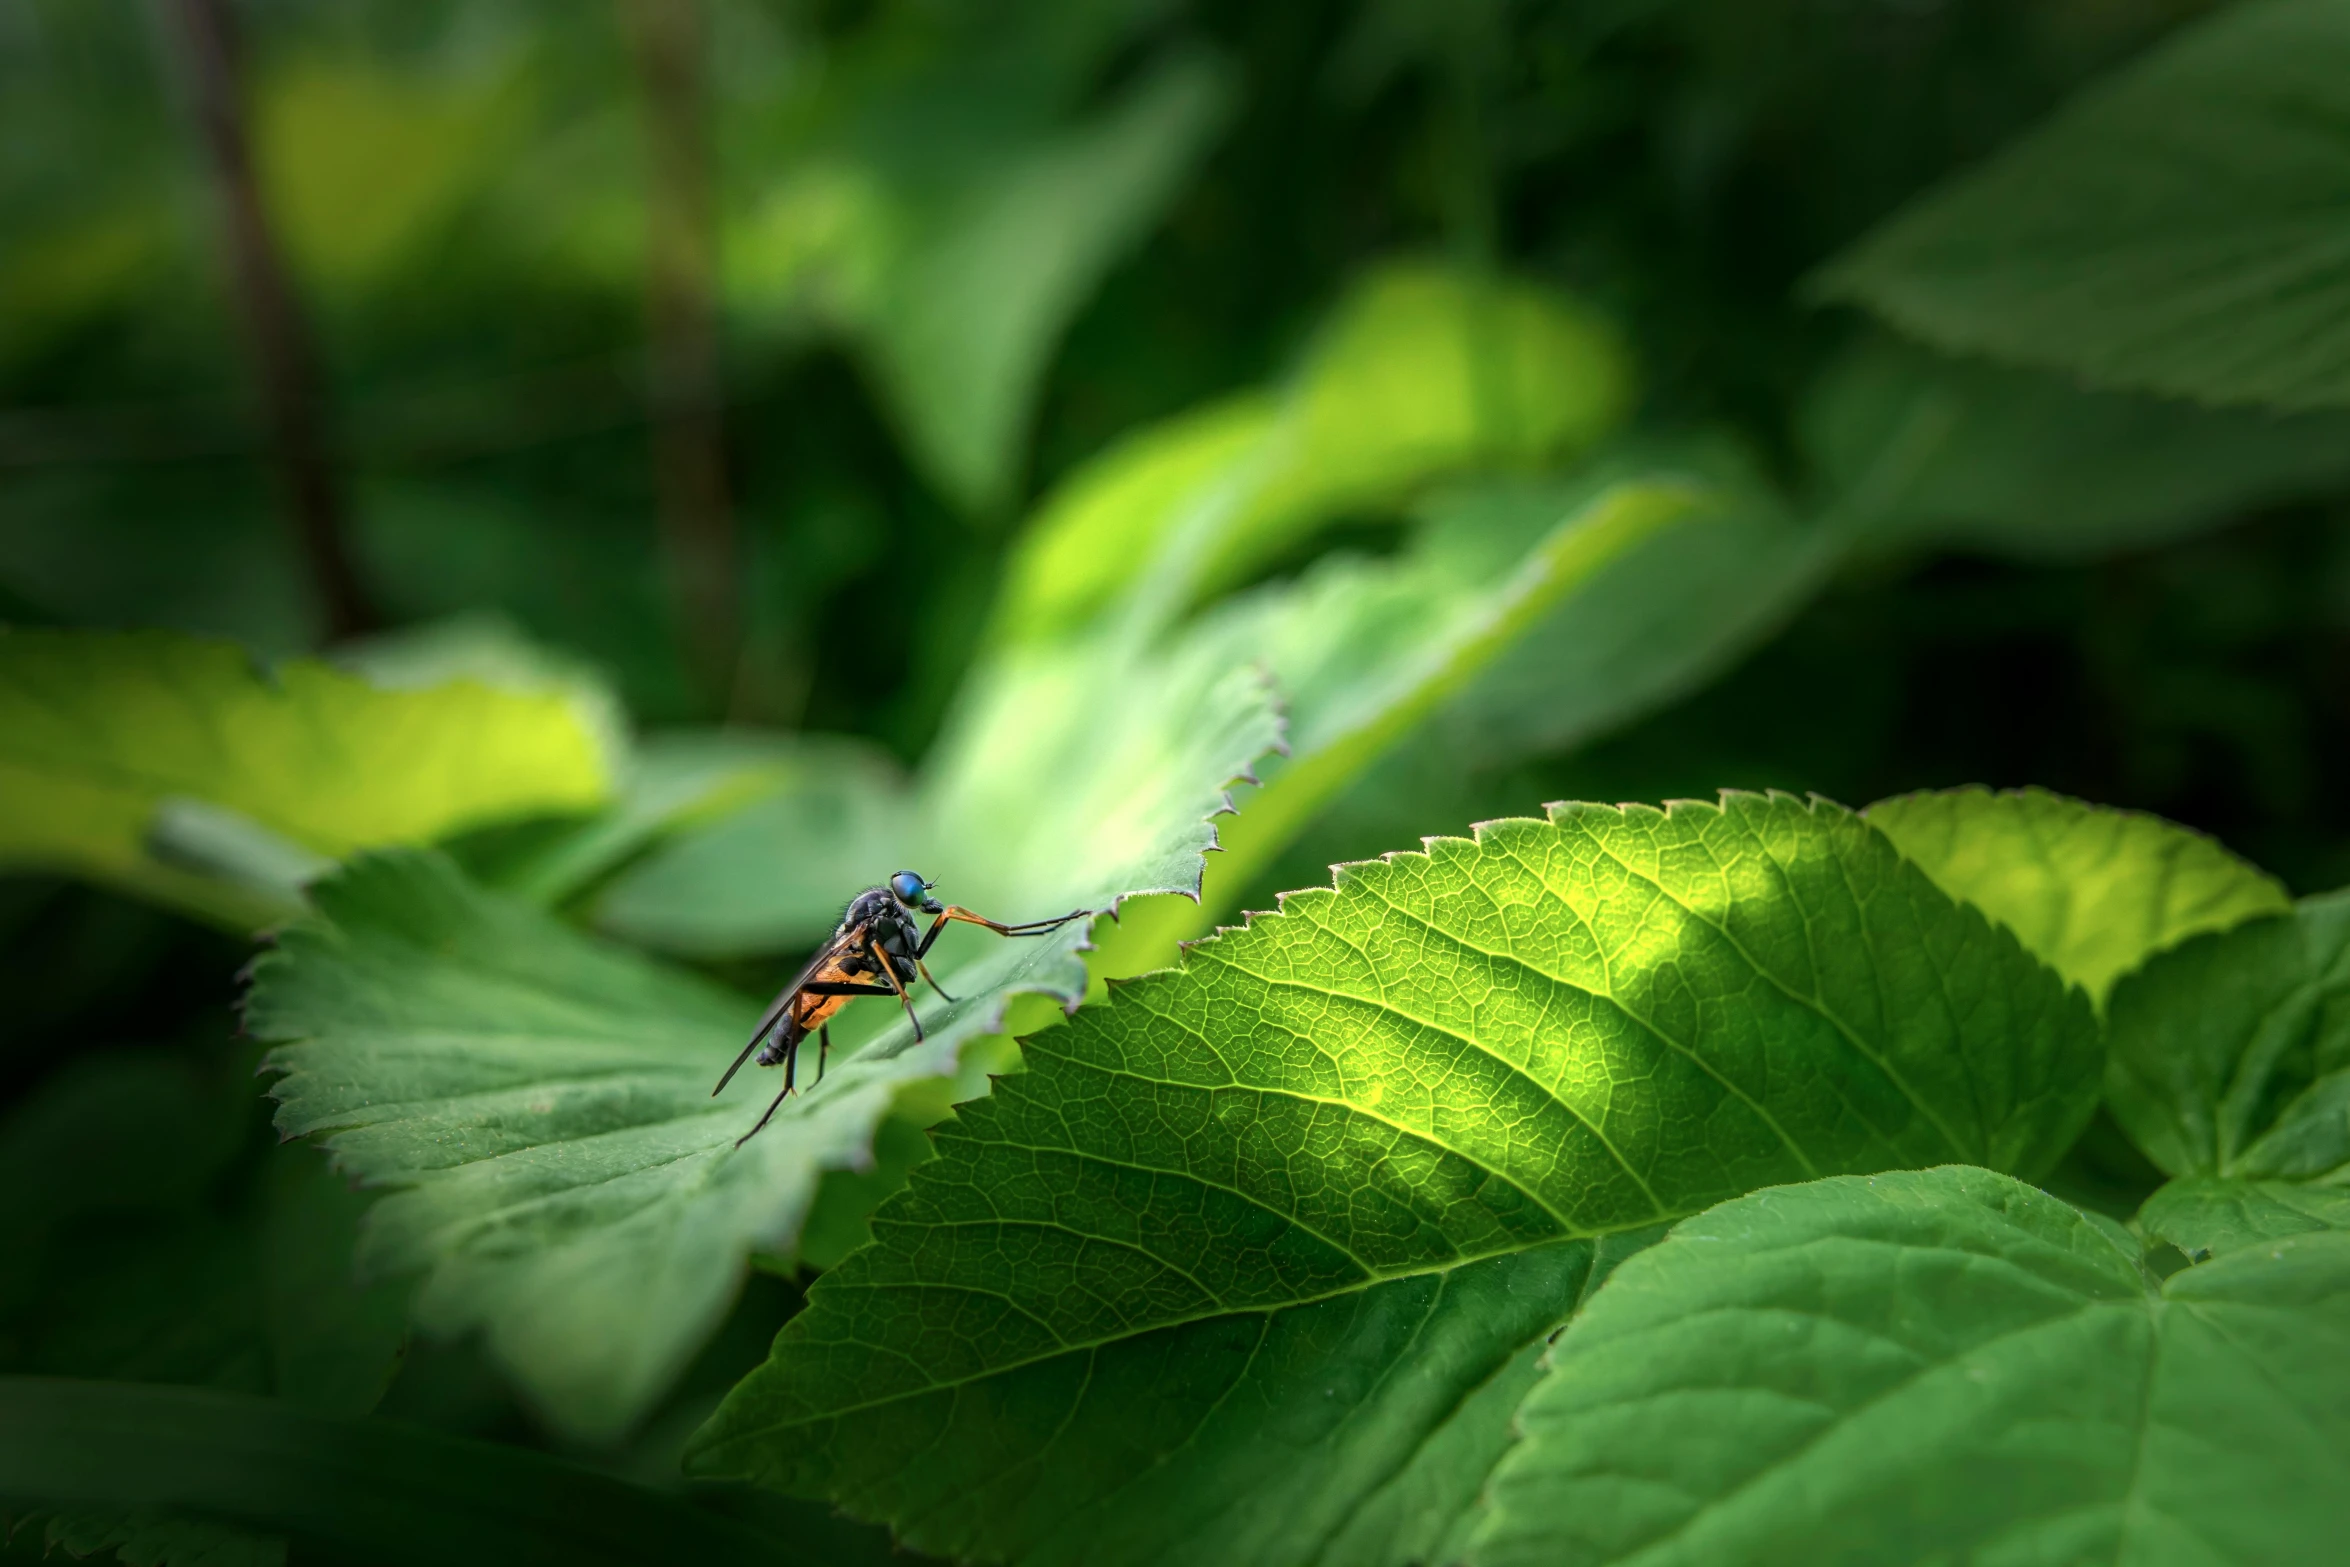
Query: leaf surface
{"points": [[2028, 464], [2092, 890], [104, 737], [1936, 1365], [2231, 1055], [2177, 229], [1271, 1234], [568, 1186]]}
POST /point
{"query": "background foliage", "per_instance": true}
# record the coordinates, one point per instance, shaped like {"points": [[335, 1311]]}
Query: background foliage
{"points": [[753, 444]]}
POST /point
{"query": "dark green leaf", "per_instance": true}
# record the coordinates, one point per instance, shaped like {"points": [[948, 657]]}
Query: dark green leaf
{"points": [[2231, 1055], [1936, 1366], [380, 1490], [2180, 228]]}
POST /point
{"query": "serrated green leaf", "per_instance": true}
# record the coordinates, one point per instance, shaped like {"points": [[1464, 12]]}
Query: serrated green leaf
{"points": [[2028, 464], [2202, 1214], [2231, 1055], [1941, 1365], [100, 733], [2092, 890], [1239, 1249], [1419, 372], [2177, 229], [568, 1186]]}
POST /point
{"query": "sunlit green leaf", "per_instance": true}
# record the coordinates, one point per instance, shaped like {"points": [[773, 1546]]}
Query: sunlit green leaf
{"points": [[2092, 890], [1941, 1365], [2176, 229], [1240, 1249], [1420, 372], [104, 736]]}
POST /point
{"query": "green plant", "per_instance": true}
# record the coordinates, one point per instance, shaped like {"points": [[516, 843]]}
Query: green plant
{"points": [[1740, 1179]]}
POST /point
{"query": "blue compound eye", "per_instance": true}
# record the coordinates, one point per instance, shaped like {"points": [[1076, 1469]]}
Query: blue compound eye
{"points": [[907, 886]]}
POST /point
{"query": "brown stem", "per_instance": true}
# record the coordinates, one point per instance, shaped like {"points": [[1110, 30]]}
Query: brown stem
{"points": [[689, 442], [274, 332]]}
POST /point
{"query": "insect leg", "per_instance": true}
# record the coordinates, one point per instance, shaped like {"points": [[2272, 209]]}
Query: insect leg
{"points": [[924, 969], [823, 1048], [955, 911], [763, 1120], [890, 973]]}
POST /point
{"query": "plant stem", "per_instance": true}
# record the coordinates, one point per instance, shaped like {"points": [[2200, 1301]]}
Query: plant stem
{"points": [[275, 335], [689, 446]]}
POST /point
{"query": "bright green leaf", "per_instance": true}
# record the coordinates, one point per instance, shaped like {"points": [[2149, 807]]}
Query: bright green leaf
{"points": [[2231, 1055], [2092, 890], [1238, 1251], [2180, 228], [1420, 372], [104, 738], [1936, 1366]]}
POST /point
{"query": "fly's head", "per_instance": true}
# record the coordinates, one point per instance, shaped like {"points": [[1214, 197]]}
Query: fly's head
{"points": [[913, 893]]}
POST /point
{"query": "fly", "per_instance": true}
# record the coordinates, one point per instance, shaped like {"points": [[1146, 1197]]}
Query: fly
{"points": [[878, 937]]}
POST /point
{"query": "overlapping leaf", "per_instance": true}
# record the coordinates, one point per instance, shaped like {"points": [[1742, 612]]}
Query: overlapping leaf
{"points": [[2092, 890], [1942, 1365], [1256, 1256], [2178, 229], [542, 1100], [2029, 464], [2231, 1055], [1418, 373], [172, 768]]}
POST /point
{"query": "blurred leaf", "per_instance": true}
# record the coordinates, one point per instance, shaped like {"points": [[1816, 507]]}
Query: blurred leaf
{"points": [[2231, 1054], [98, 733], [2093, 891], [568, 1185], [2176, 229], [2032, 466], [1935, 1365], [1363, 651], [383, 1491], [1646, 627], [138, 1258], [1237, 1251], [1419, 373], [360, 165], [159, 1537], [965, 320], [773, 873], [958, 280]]}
